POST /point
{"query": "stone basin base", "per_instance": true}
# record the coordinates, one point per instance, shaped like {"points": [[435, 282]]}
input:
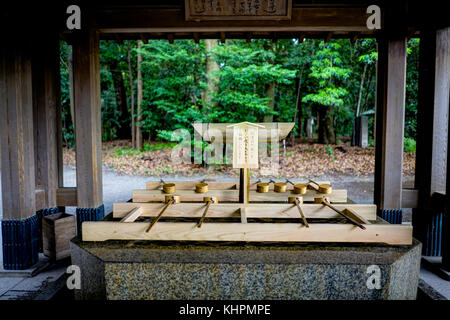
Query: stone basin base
{"points": [[120, 270]]}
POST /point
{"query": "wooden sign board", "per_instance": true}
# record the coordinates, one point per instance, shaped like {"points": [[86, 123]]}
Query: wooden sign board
{"points": [[245, 147], [204, 10]]}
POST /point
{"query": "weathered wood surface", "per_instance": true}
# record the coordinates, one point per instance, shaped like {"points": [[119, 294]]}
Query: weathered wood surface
{"points": [[57, 231], [253, 232], [46, 102], [41, 201], [142, 19], [66, 197], [232, 210], [441, 111], [86, 74], [444, 51], [16, 129], [198, 10], [410, 198], [337, 196], [390, 114]]}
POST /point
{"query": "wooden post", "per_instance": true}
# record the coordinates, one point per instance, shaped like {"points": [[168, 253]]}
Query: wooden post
{"points": [[86, 69], [432, 135], [16, 130], [442, 94], [46, 102], [390, 114]]}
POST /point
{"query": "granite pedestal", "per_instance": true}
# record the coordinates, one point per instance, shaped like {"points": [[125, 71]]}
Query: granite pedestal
{"points": [[119, 270]]}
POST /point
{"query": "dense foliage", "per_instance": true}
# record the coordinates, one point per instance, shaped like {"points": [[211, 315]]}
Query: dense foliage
{"points": [[321, 86]]}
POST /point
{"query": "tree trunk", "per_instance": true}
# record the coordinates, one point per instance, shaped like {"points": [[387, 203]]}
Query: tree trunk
{"points": [[270, 93], [326, 127], [130, 75], [309, 128], [358, 106], [139, 99], [124, 131], [211, 79], [70, 64], [298, 109]]}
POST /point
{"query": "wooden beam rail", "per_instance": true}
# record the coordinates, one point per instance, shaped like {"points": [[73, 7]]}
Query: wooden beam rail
{"points": [[212, 185], [145, 19], [232, 210], [337, 196], [250, 232]]}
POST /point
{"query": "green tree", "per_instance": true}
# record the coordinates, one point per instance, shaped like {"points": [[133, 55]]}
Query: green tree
{"points": [[329, 72]]}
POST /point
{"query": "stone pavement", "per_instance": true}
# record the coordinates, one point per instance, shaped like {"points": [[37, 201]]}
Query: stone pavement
{"points": [[42, 286]]}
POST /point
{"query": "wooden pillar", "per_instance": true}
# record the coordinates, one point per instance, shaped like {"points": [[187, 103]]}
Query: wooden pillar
{"points": [[16, 130], [443, 99], [47, 118], [390, 114], [86, 74], [432, 136]]}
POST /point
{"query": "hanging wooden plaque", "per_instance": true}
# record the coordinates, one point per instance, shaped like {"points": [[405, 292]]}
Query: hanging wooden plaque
{"points": [[204, 10]]}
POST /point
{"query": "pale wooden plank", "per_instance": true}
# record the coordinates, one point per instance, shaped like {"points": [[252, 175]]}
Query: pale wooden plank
{"points": [[254, 210], [212, 185], [337, 196], [190, 185], [186, 195], [252, 232], [227, 133], [132, 215]]}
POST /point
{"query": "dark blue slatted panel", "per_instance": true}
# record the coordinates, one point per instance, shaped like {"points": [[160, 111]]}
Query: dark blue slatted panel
{"points": [[21, 240], [433, 242], [392, 216], [89, 214]]}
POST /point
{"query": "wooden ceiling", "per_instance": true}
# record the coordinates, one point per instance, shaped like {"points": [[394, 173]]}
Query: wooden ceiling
{"points": [[165, 19]]}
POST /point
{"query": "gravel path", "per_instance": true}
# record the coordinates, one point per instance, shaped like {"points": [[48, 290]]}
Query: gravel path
{"points": [[118, 188]]}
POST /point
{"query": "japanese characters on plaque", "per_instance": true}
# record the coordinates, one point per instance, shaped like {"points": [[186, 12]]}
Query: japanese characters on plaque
{"points": [[199, 10], [245, 146]]}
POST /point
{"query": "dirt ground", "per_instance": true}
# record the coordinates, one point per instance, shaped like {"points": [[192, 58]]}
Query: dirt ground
{"points": [[299, 161]]}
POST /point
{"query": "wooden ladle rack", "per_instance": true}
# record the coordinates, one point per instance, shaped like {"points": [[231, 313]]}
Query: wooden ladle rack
{"points": [[289, 216]]}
